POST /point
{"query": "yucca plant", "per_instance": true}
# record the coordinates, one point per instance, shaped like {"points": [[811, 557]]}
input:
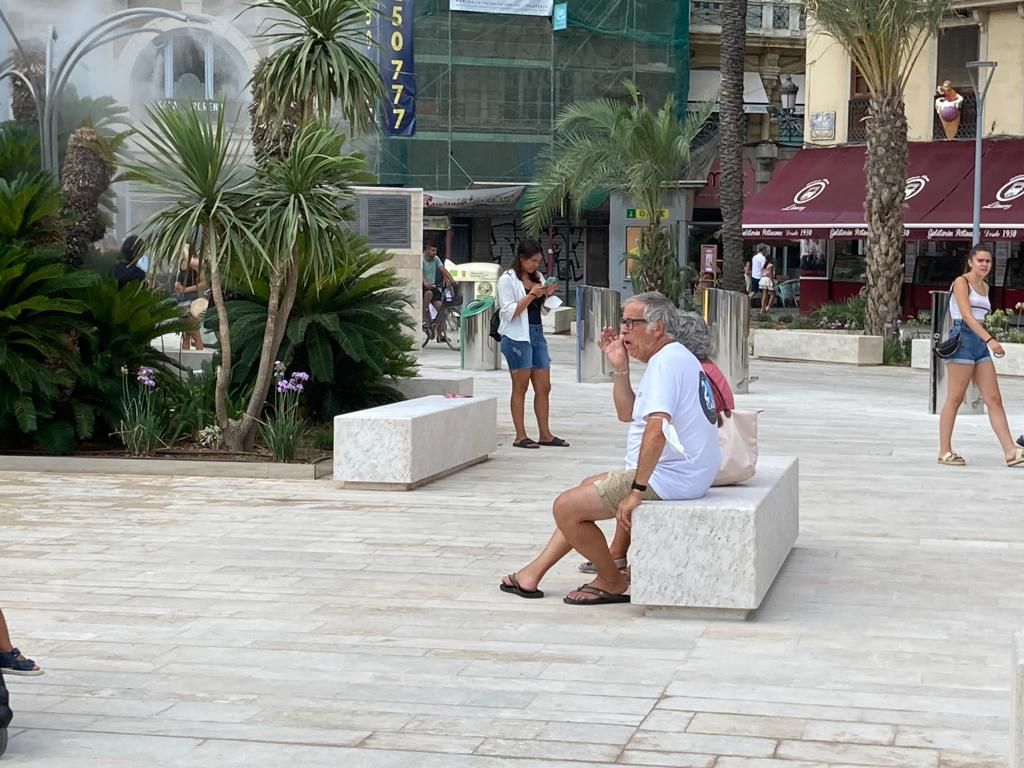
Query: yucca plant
{"points": [[350, 329], [40, 331], [624, 147], [319, 60], [884, 39], [192, 160]]}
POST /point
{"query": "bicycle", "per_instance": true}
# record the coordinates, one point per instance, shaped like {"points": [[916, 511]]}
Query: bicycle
{"points": [[448, 323]]}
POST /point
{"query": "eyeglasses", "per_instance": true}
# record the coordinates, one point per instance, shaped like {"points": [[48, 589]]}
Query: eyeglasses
{"points": [[629, 322]]}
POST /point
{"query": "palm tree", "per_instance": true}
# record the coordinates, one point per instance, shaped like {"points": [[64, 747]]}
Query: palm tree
{"points": [[318, 62], [884, 39], [623, 147], [85, 179], [733, 135]]}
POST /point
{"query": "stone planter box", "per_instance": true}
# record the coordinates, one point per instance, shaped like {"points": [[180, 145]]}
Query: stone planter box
{"points": [[1011, 365], [818, 347], [257, 470]]}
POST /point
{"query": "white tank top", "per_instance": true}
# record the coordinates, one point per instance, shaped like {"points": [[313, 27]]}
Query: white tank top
{"points": [[980, 305]]}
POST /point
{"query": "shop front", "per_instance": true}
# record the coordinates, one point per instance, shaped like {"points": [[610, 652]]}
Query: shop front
{"points": [[816, 204]]}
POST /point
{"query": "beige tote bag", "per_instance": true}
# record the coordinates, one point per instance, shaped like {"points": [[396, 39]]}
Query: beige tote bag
{"points": [[737, 438]]}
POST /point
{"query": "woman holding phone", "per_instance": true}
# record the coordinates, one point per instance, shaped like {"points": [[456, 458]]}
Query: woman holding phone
{"points": [[522, 291]]}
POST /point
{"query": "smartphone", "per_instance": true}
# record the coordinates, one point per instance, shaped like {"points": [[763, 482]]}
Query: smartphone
{"points": [[551, 281]]}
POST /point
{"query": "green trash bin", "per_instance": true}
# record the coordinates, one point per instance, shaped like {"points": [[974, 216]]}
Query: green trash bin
{"points": [[479, 351]]}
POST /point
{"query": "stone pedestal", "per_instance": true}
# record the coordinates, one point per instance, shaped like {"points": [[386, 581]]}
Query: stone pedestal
{"points": [[716, 556], [818, 347], [435, 383]]}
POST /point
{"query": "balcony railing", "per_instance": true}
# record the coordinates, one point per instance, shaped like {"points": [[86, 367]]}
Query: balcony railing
{"points": [[780, 18], [856, 131], [968, 120]]}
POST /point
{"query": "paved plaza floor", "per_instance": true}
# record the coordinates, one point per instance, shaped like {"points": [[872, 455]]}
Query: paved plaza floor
{"points": [[205, 622]]}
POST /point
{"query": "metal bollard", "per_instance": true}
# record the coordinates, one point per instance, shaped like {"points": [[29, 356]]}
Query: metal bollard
{"points": [[596, 309], [973, 405], [727, 314], [479, 351]]}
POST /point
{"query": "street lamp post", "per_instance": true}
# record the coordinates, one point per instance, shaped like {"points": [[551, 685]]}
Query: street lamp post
{"points": [[981, 78], [789, 122], [111, 28]]}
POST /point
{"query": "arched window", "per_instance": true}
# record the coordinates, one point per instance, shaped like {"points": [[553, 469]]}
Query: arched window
{"points": [[190, 66]]}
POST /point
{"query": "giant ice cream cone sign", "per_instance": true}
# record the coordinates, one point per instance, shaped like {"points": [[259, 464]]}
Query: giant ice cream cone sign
{"points": [[947, 106]]}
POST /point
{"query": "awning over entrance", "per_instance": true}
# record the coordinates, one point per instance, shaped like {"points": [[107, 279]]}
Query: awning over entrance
{"points": [[820, 193], [1002, 198]]}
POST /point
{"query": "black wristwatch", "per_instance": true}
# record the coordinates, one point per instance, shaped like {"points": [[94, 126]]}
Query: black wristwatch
{"points": [[637, 487]]}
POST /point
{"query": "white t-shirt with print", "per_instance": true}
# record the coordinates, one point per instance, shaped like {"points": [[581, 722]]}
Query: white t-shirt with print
{"points": [[757, 266], [674, 383]]}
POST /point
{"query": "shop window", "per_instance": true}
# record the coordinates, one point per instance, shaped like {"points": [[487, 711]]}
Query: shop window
{"points": [[957, 46], [849, 265]]}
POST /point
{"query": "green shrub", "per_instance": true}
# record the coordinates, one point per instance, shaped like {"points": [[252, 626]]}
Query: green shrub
{"points": [[896, 352], [123, 323], [143, 423], [849, 315], [285, 428], [41, 330], [321, 437]]}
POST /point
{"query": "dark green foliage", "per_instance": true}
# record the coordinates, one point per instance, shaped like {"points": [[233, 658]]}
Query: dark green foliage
{"points": [[40, 326], [122, 323], [29, 207], [350, 331]]}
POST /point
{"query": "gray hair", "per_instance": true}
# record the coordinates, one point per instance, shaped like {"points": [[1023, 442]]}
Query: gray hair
{"points": [[694, 335], [659, 309]]}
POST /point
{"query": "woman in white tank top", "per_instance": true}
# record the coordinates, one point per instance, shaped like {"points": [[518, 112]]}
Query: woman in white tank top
{"points": [[969, 304]]}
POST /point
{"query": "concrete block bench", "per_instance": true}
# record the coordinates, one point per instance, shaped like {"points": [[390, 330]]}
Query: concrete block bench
{"points": [[559, 320], [818, 347], [435, 383], [405, 445], [716, 557]]}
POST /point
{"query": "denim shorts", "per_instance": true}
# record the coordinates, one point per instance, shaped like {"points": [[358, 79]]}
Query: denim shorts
{"points": [[972, 349], [527, 354]]}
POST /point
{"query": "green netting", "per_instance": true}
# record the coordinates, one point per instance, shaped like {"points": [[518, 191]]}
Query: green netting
{"points": [[490, 86]]}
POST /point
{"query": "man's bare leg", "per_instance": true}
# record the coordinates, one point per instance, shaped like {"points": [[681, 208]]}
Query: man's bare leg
{"points": [[529, 576], [576, 512], [5, 635]]}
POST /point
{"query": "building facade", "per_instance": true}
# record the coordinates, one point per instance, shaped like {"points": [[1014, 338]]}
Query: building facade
{"points": [[488, 90], [815, 204]]}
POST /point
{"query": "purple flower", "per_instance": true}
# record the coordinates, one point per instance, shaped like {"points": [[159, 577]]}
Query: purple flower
{"points": [[145, 377], [300, 376], [279, 369]]}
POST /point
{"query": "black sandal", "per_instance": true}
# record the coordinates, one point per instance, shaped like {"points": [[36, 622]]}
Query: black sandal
{"points": [[525, 443], [513, 588], [554, 442]]}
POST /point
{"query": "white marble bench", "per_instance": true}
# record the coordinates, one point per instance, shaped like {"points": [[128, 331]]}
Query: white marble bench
{"points": [[716, 557], [405, 445], [559, 320], [818, 346], [435, 383]]}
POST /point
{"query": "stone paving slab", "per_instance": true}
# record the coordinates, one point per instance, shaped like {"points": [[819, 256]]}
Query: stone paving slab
{"points": [[223, 622]]}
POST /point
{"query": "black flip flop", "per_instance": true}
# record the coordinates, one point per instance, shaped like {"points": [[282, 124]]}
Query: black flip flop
{"points": [[526, 443], [515, 589], [554, 442], [603, 598]]}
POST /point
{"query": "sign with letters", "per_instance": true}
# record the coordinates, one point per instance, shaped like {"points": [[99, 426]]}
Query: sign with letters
{"points": [[516, 7], [390, 30]]}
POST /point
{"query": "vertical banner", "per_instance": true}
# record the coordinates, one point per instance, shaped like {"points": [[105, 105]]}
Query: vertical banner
{"points": [[397, 66]]}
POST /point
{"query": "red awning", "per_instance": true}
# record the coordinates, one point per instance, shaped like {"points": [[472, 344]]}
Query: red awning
{"points": [[1002, 197], [820, 192]]}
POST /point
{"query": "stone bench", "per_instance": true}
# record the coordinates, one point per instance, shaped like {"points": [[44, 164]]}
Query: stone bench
{"points": [[435, 383], [559, 320], [717, 556], [818, 347], [405, 445]]}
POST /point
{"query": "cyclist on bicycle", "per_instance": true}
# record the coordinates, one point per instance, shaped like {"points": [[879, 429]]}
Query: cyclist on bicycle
{"points": [[435, 279]]}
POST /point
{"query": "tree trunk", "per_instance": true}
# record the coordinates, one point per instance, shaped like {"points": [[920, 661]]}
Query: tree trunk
{"points": [[733, 133], [224, 342], [85, 179], [886, 172]]}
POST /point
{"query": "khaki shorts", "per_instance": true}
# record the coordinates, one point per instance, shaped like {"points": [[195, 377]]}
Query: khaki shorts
{"points": [[616, 486]]}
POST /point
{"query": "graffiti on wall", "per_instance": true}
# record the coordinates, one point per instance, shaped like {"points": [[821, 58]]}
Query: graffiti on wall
{"points": [[567, 242]]}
